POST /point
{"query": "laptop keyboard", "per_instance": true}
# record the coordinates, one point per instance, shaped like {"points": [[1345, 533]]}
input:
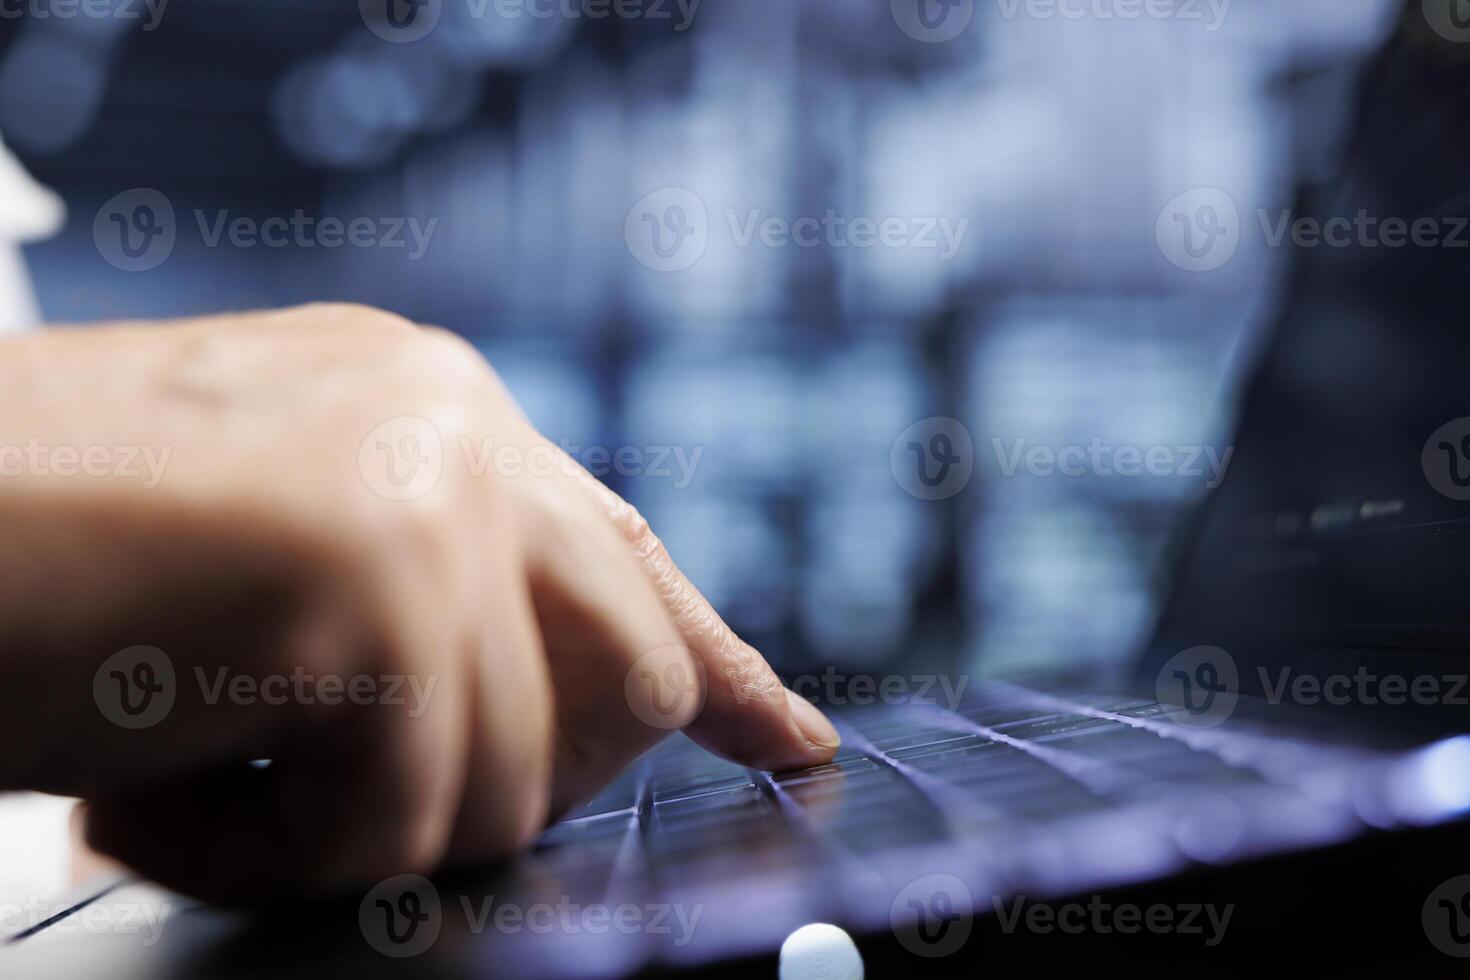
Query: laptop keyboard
{"points": [[1013, 779], [1016, 792]]}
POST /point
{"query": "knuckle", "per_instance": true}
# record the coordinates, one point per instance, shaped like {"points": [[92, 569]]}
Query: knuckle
{"points": [[634, 527], [448, 357], [423, 841], [402, 837], [566, 526], [360, 316], [688, 608], [646, 544], [420, 537], [518, 818], [356, 571], [751, 680]]}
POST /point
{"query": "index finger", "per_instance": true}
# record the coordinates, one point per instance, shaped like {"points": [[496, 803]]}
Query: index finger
{"points": [[749, 716]]}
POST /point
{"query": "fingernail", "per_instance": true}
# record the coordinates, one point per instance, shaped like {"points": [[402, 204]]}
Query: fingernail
{"points": [[813, 724]]}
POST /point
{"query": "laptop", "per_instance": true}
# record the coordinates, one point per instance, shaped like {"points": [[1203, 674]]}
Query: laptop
{"points": [[1279, 780]]}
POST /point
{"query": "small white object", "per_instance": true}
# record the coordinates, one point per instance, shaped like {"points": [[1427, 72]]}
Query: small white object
{"points": [[28, 212], [35, 856], [820, 952]]}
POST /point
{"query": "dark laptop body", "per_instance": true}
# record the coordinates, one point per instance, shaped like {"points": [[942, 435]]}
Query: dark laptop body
{"points": [[1243, 775]]}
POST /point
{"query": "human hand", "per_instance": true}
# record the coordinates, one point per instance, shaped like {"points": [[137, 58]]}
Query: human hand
{"points": [[283, 524]]}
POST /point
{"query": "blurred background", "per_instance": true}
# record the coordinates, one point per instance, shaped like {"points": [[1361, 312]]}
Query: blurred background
{"points": [[656, 217]]}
